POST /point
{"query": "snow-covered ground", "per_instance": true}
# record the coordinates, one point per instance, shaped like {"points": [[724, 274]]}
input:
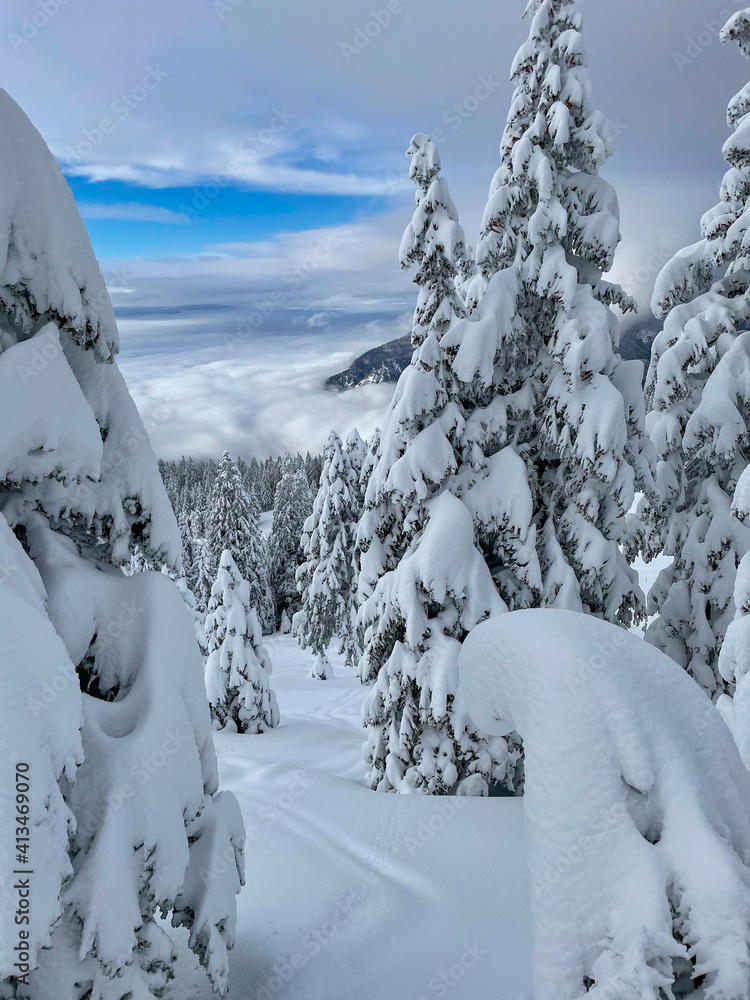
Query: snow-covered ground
{"points": [[353, 895]]}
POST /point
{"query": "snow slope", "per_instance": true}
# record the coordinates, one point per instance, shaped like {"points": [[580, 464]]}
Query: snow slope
{"points": [[339, 876]]}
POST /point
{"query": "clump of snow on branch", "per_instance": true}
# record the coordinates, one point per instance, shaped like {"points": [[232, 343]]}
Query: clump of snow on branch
{"points": [[420, 741]]}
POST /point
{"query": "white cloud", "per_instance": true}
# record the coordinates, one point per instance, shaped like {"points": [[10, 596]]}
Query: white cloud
{"points": [[268, 397], [131, 212], [340, 270], [318, 321], [268, 176]]}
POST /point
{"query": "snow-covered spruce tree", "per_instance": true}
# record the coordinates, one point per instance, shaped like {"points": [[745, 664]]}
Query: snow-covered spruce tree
{"points": [[413, 614], [322, 669], [292, 506], [234, 525], [325, 578], [371, 459], [433, 242], [99, 671], [238, 667], [537, 360], [205, 574], [698, 391], [524, 409], [139, 562], [188, 549], [417, 446]]}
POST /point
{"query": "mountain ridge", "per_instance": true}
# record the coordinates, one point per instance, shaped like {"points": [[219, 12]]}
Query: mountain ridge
{"points": [[386, 362]]}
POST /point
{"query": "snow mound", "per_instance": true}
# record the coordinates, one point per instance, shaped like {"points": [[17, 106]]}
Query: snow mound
{"points": [[637, 808]]}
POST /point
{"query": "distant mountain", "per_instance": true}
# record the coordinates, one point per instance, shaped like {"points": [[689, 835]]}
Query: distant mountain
{"points": [[381, 364], [385, 363]]}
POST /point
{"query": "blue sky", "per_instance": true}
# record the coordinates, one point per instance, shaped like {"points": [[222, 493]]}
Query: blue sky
{"points": [[304, 112], [124, 219]]}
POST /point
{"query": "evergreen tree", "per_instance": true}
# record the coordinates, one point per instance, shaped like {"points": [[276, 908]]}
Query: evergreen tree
{"points": [[313, 468], [292, 506], [321, 668], [434, 242], [80, 493], [539, 356], [412, 538], [139, 562], [205, 574], [698, 391], [734, 657], [417, 446], [523, 410], [197, 518], [238, 667], [372, 456], [188, 548], [325, 579], [234, 525]]}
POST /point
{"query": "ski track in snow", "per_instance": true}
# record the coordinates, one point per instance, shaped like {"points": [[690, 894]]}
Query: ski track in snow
{"points": [[339, 883]]}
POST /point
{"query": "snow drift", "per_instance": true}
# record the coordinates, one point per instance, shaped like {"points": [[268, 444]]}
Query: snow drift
{"points": [[637, 808]]}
